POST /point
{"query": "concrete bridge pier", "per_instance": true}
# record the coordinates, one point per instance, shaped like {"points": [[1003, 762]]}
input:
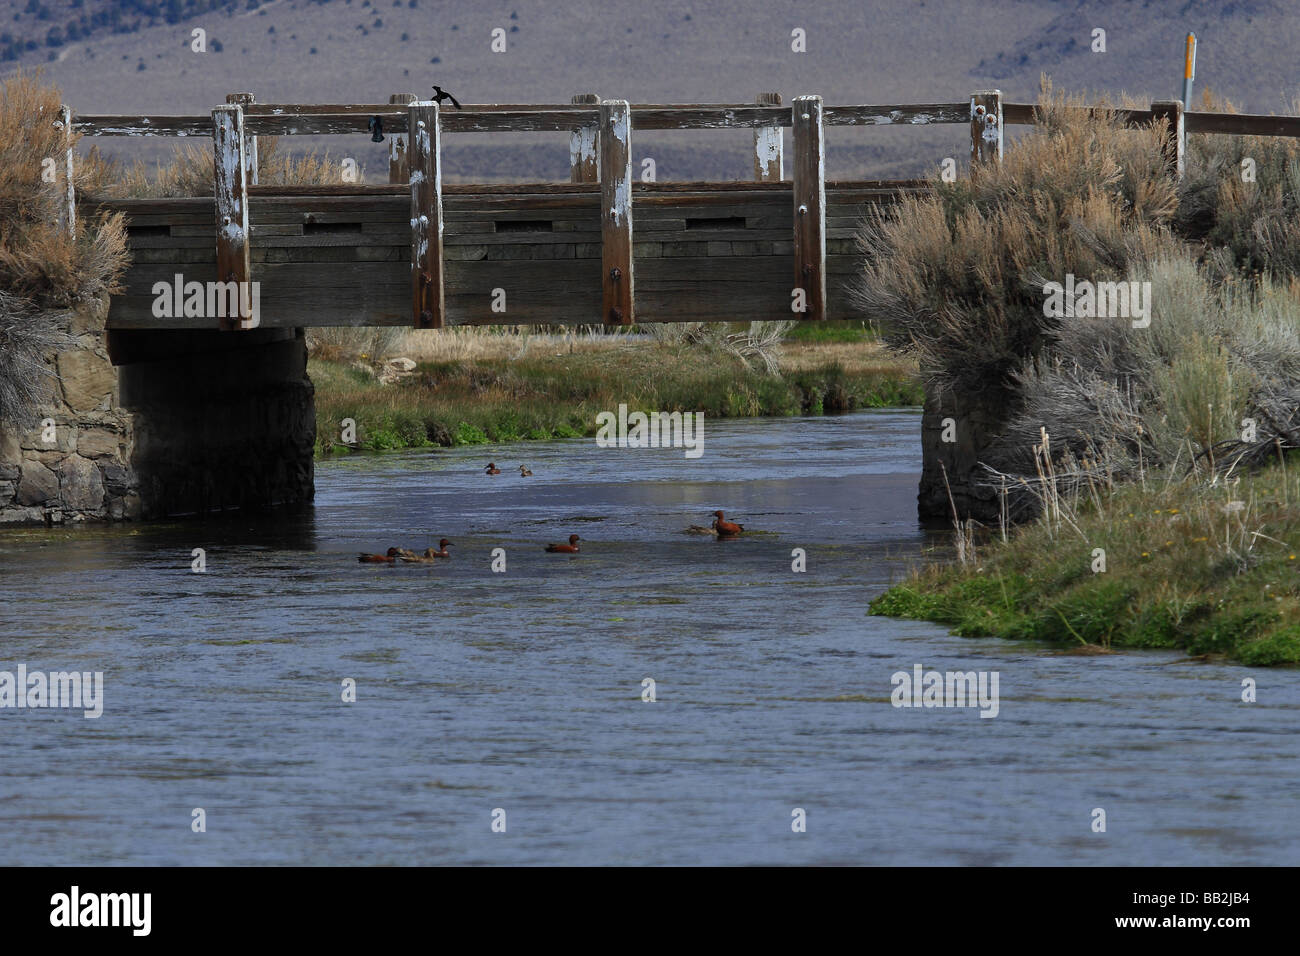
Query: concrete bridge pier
{"points": [[153, 424], [954, 436], [222, 420]]}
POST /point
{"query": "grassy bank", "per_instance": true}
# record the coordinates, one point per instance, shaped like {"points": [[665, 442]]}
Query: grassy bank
{"points": [[552, 388], [1212, 572]]}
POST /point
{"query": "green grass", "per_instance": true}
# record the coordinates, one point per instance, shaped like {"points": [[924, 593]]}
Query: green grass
{"points": [[1182, 572], [558, 396], [832, 330]]}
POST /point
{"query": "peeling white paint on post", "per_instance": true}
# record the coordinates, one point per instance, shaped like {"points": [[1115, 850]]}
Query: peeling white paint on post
{"points": [[809, 204], [769, 146], [397, 144], [68, 208], [616, 211], [985, 128], [427, 293], [584, 161], [250, 142], [230, 193]]}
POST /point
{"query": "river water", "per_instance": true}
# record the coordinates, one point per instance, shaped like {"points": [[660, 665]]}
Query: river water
{"points": [[522, 691]]}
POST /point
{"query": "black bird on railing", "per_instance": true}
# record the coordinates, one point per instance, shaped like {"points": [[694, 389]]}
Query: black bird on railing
{"points": [[376, 129], [442, 94]]}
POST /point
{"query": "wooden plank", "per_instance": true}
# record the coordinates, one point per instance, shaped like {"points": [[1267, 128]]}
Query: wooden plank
{"points": [[769, 160], [233, 264], [1175, 136], [427, 295], [470, 120], [245, 100], [171, 242], [105, 124], [1241, 124], [809, 205], [920, 114], [708, 117], [985, 128], [583, 162], [616, 212], [323, 119], [567, 237], [397, 143]]}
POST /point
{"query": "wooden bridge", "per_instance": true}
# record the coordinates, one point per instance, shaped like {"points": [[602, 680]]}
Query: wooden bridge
{"points": [[162, 411], [603, 248]]}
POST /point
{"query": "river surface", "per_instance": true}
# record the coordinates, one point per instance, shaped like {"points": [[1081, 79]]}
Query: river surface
{"points": [[522, 691]]}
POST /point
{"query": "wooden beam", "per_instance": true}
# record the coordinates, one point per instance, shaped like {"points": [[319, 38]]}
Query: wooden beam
{"points": [[583, 162], [1175, 136], [985, 128], [769, 165], [809, 205], [134, 125], [707, 117], [233, 263], [1241, 124], [908, 114], [616, 212], [427, 294], [68, 204], [341, 118], [245, 100], [397, 143]]}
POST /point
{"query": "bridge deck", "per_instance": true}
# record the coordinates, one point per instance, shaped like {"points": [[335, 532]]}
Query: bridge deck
{"points": [[341, 256]]}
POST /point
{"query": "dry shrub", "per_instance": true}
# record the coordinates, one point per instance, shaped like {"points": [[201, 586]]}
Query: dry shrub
{"points": [[28, 335], [1251, 227], [44, 268], [758, 345], [1175, 395], [279, 167], [956, 277], [189, 171], [338, 344], [39, 260]]}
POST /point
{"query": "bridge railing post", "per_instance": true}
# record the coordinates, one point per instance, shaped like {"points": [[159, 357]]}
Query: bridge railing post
{"points": [[427, 294], [398, 171], [769, 145], [616, 212], [68, 201], [584, 164], [1172, 110], [809, 189], [985, 128], [231, 196], [250, 142]]}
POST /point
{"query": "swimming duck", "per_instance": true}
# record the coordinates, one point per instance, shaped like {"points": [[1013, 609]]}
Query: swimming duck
{"points": [[392, 555], [525, 472], [726, 528], [428, 556], [570, 548], [492, 468]]}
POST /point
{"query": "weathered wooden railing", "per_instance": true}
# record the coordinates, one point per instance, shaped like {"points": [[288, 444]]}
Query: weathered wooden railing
{"points": [[601, 182]]}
